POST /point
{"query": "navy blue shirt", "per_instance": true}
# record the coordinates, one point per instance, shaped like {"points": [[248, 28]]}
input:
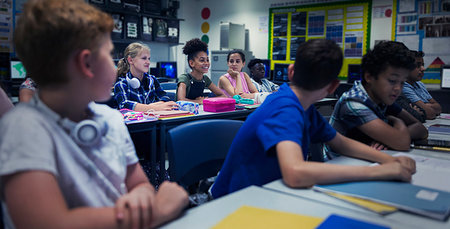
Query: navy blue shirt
{"points": [[148, 92], [252, 159]]}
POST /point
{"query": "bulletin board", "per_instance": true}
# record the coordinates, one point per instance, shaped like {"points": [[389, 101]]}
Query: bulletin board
{"points": [[425, 25], [347, 23]]}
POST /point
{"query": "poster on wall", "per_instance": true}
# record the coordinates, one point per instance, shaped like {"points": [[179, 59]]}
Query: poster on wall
{"points": [[298, 24], [279, 49], [335, 31], [295, 42], [280, 25], [316, 23], [343, 22], [427, 30], [353, 44]]}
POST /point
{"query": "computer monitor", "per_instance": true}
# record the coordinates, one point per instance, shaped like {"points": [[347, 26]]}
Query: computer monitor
{"points": [[445, 77], [17, 70], [167, 69], [280, 73], [354, 73]]}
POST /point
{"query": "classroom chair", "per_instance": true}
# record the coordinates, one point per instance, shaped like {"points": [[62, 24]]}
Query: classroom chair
{"points": [[198, 149], [168, 86]]}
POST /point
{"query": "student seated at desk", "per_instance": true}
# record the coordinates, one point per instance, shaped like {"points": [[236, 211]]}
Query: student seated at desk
{"points": [[257, 73], [416, 92], [67, 162], [367, 111], [27, 90], [236, 82], [273, 142], [136, 89], [190, 86]]}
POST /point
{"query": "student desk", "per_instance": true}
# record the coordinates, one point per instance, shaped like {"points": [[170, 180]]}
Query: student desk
{"points": [[401, 219], [158, 131], [211, 213]]}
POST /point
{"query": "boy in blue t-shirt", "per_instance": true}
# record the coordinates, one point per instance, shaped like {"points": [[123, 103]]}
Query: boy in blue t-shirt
{"points": [[273, 142]]}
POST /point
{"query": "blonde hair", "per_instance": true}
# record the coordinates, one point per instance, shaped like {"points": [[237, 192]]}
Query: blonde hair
{"points": [[49, 31], [132, 50]]}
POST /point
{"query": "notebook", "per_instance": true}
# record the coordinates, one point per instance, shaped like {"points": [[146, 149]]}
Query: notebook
{"points": [[337, 221], [254, 217], [405, 196], [439, 128], [433, 142]]}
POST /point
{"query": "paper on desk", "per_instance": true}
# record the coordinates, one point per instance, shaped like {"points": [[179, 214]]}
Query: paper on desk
{"points": [[252, 217], [379, 208], [430, 172]]}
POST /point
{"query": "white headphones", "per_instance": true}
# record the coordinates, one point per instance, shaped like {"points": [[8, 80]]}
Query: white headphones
{"points": [[133, 82], [85, 133]]}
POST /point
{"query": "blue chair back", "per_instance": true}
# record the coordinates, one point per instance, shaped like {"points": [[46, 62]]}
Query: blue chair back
{"points": [[198, 149], [168, 86]]}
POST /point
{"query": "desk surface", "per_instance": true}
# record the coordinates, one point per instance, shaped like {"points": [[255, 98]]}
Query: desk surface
{"points": [[209, 214], [403, 218]]}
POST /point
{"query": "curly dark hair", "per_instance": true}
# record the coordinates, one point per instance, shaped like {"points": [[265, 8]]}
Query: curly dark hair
{"points": [[418, 54], [193, 46], [317, 63], [387, 54], [254, 62]]}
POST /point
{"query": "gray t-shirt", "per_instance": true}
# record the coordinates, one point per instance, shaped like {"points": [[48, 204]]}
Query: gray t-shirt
{"points": [[32, 139]]}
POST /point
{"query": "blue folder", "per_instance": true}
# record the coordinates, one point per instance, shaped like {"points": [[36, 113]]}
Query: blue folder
{"points": [[420, 200], [337, 221]]}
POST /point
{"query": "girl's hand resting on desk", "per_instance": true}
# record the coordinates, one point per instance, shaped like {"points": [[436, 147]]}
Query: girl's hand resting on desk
{"points": [[247, 95], [164, 106], [137, 204]]}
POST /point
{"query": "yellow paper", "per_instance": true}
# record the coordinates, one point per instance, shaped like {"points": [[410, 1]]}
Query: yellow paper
{"points": [[252, 217], [370, 205]]}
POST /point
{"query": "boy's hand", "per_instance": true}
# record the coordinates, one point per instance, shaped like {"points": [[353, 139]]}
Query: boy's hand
{"points": [[394, 171], [378, 146], [407, 163], [170, 200], [138, 205]]}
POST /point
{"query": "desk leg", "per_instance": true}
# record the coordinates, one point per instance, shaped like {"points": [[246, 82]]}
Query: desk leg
{"points": [[162, 152], [153, 152]]}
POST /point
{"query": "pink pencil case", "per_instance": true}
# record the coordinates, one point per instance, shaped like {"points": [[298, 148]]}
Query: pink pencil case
{"points": [[219, 104]]}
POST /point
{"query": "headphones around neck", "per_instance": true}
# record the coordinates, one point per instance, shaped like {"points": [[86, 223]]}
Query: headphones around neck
{"points": [[85, 133], [132, 81]]}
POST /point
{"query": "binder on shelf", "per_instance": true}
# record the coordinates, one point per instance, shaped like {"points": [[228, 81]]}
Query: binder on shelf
{"points": [[132, 27], [160, 30], [117, 32], [173, 28], [405, 196], [147, 28]]}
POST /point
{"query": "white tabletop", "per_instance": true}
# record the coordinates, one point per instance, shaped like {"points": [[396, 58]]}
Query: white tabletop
{"points": [[209, 214], [403, 218]]}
